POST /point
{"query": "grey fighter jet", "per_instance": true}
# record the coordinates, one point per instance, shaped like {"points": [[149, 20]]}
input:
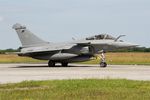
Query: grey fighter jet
{"points": [[64, 53]]}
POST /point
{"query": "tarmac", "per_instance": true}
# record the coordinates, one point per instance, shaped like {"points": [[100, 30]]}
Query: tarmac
{"points": [[12, 73]]}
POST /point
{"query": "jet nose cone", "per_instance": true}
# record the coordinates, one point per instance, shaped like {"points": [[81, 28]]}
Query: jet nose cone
{"points": [[127, 45], [131, 45]]}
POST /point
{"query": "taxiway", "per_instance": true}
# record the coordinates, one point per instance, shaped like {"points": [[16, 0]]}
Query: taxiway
{"points": [[11, 73]]}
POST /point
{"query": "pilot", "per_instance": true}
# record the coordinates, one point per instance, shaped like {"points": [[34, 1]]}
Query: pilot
{"points": [[98, 37]]}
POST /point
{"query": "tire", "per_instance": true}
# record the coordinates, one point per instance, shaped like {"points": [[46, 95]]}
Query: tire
{"points": [[64, 64], [51, 63], [103, 64]]}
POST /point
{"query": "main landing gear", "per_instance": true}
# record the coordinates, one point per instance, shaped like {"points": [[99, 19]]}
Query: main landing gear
{"points": [[64, 64], [52, 64], [103, 59]]}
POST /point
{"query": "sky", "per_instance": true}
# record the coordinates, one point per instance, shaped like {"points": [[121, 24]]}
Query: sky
{"points": [[62, 20]]}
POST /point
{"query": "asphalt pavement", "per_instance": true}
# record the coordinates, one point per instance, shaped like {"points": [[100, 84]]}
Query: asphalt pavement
{"points": [[12, 73]]}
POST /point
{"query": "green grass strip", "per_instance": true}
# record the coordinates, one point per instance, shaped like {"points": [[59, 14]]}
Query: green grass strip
{"points": [[85, 89]]}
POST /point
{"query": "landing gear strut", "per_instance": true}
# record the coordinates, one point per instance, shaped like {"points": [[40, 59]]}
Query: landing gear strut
{"points": [[103, 59], [51, 63]]}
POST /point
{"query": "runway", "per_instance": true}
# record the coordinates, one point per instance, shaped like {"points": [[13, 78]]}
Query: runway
{"points": [[12, 73]]}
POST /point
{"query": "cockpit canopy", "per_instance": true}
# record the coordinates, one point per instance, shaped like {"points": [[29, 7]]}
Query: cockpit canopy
{"points": [[101, 37]]}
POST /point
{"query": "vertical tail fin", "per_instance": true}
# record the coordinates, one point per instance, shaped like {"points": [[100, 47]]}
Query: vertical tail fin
{"points": [[26, 37]]}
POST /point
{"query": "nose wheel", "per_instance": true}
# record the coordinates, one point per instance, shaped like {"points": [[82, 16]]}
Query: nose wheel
{"points": [[103, 64]]}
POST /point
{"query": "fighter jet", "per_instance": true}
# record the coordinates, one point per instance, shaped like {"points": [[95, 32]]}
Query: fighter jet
{"points": [[67, 52]]}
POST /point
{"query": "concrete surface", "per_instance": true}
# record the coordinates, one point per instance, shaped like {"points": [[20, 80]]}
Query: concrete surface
{"points": [[10, 73]]}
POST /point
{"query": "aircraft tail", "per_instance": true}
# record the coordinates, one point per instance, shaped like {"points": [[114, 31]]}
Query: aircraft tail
{"points": [[27, 38]]}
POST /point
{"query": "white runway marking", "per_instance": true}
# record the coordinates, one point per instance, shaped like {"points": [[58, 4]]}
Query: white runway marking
{"points": [[10, 73]]}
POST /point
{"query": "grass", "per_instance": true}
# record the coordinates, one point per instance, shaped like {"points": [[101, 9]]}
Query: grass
{"points": [[13, 58], [87, 89], [112, 58], [124, 58]]}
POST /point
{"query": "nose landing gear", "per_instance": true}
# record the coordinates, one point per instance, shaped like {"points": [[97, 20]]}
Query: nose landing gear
{"points": [[103, 59]]}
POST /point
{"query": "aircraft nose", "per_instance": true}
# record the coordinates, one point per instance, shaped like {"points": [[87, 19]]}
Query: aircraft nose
{"points": [[132, 45], [126, 44]]}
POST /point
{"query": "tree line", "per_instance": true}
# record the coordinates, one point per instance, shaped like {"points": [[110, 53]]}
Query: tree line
{"points": [[10, 50], [138, 49]]}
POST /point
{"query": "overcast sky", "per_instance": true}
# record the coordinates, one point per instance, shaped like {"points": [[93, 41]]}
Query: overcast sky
{"points": [[60, 20]]}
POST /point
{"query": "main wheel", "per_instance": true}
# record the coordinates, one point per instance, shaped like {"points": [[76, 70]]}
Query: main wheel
{"points": [[65, 64], [103, 64], [51, 63]]}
